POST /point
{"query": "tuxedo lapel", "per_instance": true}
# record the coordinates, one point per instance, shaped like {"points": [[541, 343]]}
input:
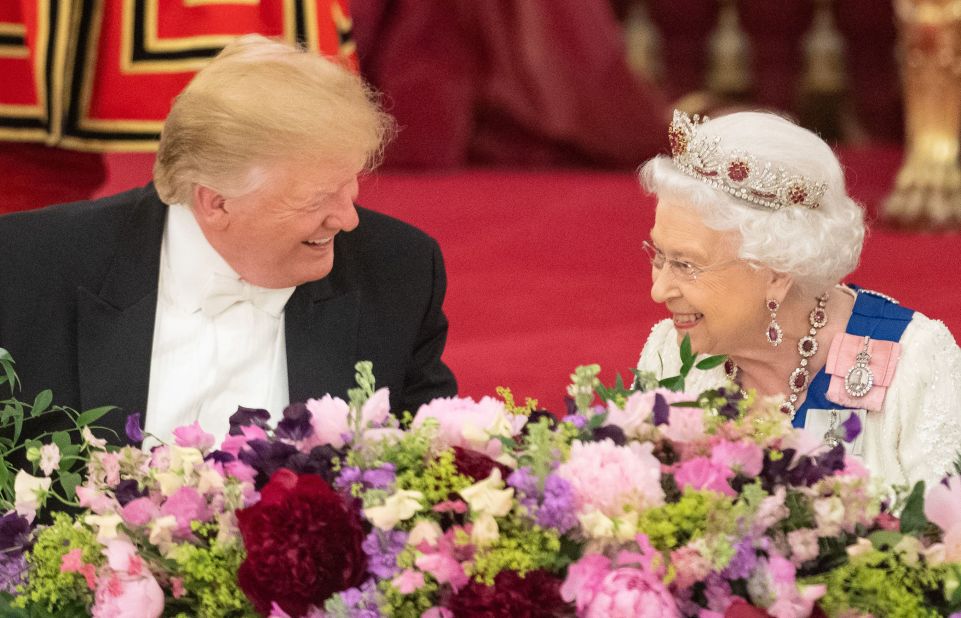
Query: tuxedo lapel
{"points": [[321, 322], [115, 324]]}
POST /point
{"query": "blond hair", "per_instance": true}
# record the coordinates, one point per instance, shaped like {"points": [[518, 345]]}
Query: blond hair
{"points": [[260, 102]]}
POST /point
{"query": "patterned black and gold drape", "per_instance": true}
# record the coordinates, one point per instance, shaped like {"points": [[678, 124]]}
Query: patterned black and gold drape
{"points": [[100, 75]]}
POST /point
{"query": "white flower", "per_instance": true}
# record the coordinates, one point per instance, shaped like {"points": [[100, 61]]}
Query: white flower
{"points": [[397, 508], [30, 492], [92, 440], [485, 530], [49, 458], [487, 496], [596, 524], [161, 532], [424, 530], [106, 526]]}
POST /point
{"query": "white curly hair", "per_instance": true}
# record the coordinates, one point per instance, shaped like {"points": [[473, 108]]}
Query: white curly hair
{"points": [[819, 247]]}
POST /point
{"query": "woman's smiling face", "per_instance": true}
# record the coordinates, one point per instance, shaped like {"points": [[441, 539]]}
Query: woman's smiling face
{"points": [[722, 307]]}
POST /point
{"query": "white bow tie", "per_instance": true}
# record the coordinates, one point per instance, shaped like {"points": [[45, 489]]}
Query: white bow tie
{"points": [[222, 292]]}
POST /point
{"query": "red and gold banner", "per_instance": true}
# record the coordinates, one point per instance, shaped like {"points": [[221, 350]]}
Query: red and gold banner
{"points": [[101, 75]]}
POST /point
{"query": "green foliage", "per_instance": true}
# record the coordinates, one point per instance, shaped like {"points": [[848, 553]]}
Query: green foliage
{"points": [[673, 524], [521, 548], [882, 584], [438, 480], [210, 580], [49, 589], [912, 517]]}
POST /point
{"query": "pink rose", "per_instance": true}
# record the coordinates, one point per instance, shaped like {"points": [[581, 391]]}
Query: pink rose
{"points": [[702, 473], [193, 436]]}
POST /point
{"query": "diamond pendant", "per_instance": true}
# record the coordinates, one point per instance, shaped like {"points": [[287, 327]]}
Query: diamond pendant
{"points": [[860, 378]]}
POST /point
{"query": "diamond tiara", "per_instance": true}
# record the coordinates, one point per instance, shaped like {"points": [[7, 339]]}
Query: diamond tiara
{"points": [[737, 172]]}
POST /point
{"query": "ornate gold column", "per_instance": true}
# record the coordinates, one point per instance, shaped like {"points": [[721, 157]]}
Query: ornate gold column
{"points": [[927, 191]]}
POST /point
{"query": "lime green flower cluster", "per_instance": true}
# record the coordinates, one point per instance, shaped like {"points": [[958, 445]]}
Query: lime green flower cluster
{"points": [[519, 548], [47, 587], [437, 480], [674, 524], [879, 582], [210, 578]]}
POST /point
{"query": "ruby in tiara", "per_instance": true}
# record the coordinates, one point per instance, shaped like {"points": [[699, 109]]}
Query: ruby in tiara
{"points": [[738, 170], [759, 184]]}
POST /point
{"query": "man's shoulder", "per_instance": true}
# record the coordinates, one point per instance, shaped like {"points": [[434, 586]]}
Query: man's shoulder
{"points": [[377, 224], [74, 218]]}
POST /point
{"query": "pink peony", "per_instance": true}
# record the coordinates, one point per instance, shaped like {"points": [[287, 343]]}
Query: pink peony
{"points": [[584, 579], [128, 591], [684, 425], [804, 545], [607, 478], [330, 418], [193, 436], [742, 456], [462, 421], [632, 593], [702, 473]]}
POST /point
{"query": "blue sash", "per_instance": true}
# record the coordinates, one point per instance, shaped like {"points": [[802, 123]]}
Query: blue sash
{"points": [[873, 315]]}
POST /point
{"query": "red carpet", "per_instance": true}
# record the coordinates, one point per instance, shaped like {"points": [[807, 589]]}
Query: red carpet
{"points": [[545, 269]]}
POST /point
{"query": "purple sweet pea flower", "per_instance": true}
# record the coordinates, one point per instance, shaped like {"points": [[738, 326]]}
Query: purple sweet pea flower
{"points": [[662, 411], [361, 602], [295, 425], [132, 429], [852, 427], [248, 416], [14, 541], [127, 491], [576, 420]]}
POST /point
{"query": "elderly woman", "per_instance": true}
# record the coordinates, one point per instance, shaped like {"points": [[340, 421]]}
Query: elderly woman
{"points": [[753, 232]]}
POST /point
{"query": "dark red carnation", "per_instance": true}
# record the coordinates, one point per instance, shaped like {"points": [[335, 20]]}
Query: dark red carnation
{"points": [[303, 544], [536, 595], [742, 609], [477, 466]]}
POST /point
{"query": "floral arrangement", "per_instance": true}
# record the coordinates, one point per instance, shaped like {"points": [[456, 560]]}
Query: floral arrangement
{"points": [[639, 502]]}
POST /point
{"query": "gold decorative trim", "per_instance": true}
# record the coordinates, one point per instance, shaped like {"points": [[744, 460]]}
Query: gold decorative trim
{"points": [[107, 145], [23, 135], [154, 44], [193, 3], [130, 66], [310, 21], [12, 29], [18, 52], [10, 110], [67, 22]]}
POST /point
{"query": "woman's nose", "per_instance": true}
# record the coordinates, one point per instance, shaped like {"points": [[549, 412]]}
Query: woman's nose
{"points": [[663, 285]]}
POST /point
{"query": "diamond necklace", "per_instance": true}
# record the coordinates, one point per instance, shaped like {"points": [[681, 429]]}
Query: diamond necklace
{"points": [[807, 347]]}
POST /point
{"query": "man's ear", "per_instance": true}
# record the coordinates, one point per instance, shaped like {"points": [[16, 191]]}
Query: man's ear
{"points": [[209, 208]]}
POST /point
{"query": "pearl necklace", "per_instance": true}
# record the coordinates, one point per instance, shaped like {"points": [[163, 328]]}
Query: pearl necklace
{"points": [[807, 347]]}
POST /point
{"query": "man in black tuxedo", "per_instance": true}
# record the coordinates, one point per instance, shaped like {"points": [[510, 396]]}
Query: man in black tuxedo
{"points": [[244, 274]]}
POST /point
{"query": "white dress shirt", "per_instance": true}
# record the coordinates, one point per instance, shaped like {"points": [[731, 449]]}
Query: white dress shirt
{"points": [[211, 351]]}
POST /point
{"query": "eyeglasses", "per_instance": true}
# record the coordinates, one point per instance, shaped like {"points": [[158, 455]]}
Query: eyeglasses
{"points": [[682, 271]]}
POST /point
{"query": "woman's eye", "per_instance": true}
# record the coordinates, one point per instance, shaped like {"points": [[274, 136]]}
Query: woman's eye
{"points": [[684, 267]]}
